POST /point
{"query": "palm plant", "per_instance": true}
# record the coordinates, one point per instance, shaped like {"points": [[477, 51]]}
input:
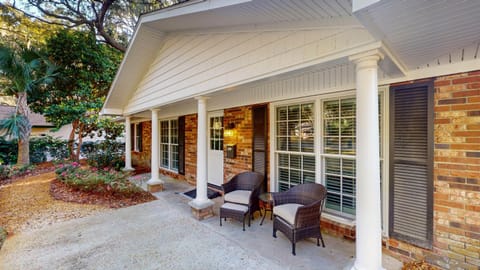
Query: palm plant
{"points": [[22, 70]]}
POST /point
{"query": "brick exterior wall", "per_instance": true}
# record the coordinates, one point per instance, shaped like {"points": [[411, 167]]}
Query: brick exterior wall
{"points": [[191, 148], [456, 243], [143, 158], [243, 138]]}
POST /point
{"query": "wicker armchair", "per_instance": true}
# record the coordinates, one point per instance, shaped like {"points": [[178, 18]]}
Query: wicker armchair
{"points": [[244, 189], [297, 212]]}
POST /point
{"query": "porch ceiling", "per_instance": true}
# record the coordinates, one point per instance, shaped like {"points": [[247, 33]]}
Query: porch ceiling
{"points": [[419, 31]]}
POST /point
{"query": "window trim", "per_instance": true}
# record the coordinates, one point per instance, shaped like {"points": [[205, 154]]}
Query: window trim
{"points": [[318, 146], [170, 169], [133, 133]]}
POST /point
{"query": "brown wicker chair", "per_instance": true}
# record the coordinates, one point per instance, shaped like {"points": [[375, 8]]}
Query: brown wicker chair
{"points": [[244, 189], [297, 212]]}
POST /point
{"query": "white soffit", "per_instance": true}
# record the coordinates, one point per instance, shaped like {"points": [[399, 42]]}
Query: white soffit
{"points": [[419, 31]]}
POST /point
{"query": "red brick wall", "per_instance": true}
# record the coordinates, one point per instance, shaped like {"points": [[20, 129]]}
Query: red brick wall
{"points": [[456, 242], [243, 138], [143, 158], [191, 148]]}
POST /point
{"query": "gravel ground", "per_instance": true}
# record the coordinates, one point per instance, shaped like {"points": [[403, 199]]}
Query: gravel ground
{"points": [[26, 205]]}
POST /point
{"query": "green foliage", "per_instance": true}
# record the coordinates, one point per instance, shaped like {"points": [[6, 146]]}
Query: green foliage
{"points": [[3, 236], [9, 171], [93, 180], [107, 154], [41, 150], [17, 126], [8, 151]]}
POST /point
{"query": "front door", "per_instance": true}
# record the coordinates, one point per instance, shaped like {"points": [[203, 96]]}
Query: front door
{"points": [[215, 148]]}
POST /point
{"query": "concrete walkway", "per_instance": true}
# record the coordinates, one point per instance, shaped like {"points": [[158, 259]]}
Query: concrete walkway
{"points": [[164, 235]]}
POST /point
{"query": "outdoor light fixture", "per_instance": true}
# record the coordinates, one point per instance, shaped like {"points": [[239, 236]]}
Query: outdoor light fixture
{"points": [[229, 130]]}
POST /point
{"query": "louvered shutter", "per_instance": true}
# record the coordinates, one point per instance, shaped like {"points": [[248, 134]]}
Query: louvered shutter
{"points": [[411, 152], [132, 137], [181, 145], [260, 141]]}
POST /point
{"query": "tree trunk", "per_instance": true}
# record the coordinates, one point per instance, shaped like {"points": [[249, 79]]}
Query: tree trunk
{"points": [[71, 140], [23, 142], [80, 140]]}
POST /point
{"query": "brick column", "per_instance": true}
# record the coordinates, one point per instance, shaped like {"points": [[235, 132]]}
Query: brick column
{"points": [[368, 212]]}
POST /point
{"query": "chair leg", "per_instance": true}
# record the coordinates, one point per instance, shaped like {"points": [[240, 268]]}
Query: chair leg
{"points": [[244, 224], [293, 248], [321, 238], [318, 241], [220, 221], [248, 218], [274, 233]]}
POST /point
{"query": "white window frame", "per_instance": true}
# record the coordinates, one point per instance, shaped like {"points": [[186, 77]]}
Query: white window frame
{"points": [[169, 144], [134, 134], [318, 147]]}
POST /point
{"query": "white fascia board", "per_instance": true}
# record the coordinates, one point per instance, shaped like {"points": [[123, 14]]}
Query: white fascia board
{"points": [[189, 8], [106, 111], [361, 4], [443, 70]]}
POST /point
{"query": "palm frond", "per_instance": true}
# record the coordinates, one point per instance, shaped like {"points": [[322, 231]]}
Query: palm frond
{"points": [[16, 126]]}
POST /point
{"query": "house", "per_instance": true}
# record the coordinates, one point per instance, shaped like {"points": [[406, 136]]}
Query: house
{"points": [[40, 126], [379, 100]]}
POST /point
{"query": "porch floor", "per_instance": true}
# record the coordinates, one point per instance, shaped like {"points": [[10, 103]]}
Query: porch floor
{"points": [[164, 235]]}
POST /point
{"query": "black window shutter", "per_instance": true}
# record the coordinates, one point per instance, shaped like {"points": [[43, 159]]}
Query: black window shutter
{"points": [[181, 145], [132, 137], [411, 163], [140, 136]]}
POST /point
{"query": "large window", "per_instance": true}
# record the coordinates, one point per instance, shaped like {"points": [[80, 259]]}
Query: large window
{"points": [[295, 145], [339, 154], [169, 144]]}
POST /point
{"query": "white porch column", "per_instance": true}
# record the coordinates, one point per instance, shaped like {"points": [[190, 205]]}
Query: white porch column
{"points": [[201, 205], [155, 184], [368, 214], [128, 145]]}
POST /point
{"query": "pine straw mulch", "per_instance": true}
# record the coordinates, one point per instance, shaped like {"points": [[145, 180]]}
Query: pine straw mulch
{"points": [[62, 192], [418, 265], [39, 168]]}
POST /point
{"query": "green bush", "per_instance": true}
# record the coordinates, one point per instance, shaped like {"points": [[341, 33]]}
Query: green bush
{"points": [[92, 180], [9, 171], [4, 172], [41, 150], [3, 236], [106, 154]]}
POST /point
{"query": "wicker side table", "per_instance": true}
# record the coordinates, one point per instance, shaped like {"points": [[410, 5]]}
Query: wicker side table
{"points": [[234, 211]]}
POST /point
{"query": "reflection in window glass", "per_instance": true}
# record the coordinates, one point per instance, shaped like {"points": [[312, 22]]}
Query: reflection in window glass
{"points": [[169, 144], [216, 133]]}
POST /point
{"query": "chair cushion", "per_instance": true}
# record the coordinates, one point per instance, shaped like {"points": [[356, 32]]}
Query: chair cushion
{"points": [[238, 196], [236, 207], [287, 211]]}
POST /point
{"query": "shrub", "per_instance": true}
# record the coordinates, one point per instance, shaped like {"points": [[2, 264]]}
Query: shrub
{"points": [[106, 154], [41, 150], [3, 236], [4, 172], [92, 180]]}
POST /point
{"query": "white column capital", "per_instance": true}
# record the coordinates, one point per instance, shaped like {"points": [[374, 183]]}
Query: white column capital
{"points": [[201, 98], [154, 111], [367, 59]]}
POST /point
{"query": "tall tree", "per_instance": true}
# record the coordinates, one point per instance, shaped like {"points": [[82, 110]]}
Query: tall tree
{"points": [[23, 71], [86, 70], [112, 20]]}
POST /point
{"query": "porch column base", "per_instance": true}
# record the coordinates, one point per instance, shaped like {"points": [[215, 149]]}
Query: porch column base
{"points": [[154, 185], [128, 169], [202, 210]]}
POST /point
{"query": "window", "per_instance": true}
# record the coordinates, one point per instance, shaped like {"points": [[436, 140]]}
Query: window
{"points": [[136, 137], [216, 133], [339, 154], [295, 145], [169, 144]]}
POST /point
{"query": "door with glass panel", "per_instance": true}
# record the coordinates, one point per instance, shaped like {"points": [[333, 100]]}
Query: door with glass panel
{"points": [[215, 148]]}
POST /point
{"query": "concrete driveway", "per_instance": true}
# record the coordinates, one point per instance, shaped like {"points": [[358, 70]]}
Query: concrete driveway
{"points": [[164, 235]]}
